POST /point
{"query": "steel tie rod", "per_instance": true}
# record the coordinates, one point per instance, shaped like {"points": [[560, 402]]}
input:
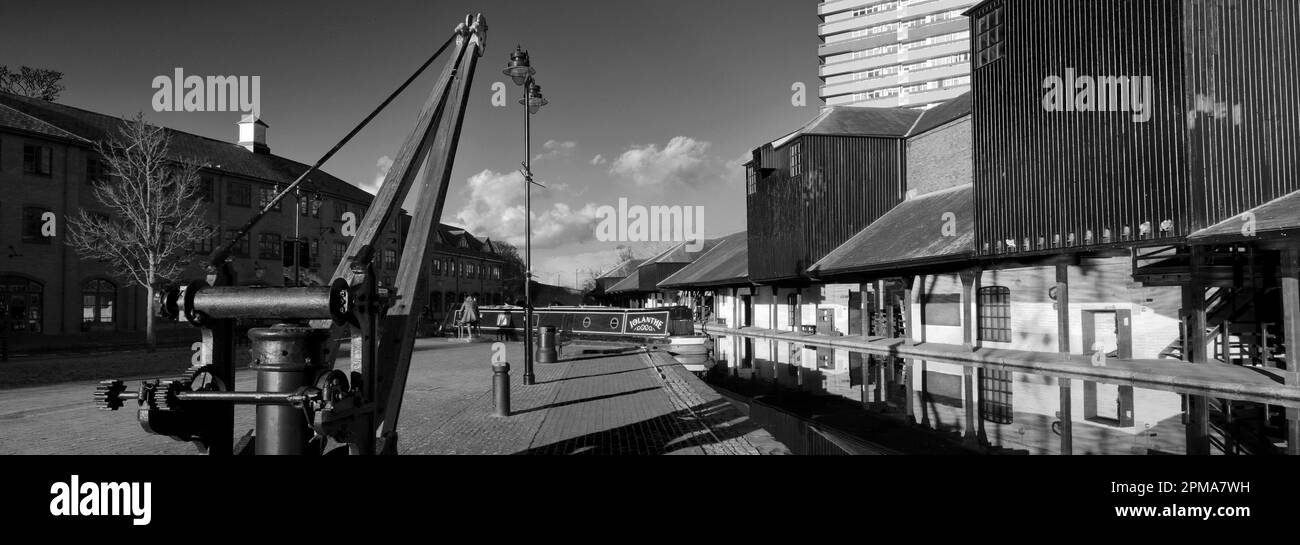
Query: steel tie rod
{"points": [[223, 252]]}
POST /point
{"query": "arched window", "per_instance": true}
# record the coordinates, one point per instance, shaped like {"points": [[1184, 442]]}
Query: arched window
{"points": [[21, 306], [97, 299]]}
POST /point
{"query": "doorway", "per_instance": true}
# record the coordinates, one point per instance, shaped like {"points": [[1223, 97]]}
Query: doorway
{"points": [[1110, 333]]}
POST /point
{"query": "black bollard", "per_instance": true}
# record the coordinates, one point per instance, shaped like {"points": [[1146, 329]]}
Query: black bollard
{"points": [[501, 387], [546, 352]]}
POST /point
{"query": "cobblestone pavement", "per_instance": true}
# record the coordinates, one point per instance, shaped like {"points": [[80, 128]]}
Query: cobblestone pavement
{"points": [[614, 404]]}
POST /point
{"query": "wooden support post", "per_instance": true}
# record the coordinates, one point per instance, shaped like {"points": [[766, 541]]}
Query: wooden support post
{"points": [[1194, 351], [971, 406], [968, 310], [1290, 270], [908, 335], [974, 420], [1063, 346]]}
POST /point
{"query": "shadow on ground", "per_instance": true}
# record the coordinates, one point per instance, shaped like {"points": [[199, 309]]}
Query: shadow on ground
{"points": [[677, 432]]}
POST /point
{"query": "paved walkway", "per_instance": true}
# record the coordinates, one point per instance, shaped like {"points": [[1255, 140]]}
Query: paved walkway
{"points": [[623, 404]]}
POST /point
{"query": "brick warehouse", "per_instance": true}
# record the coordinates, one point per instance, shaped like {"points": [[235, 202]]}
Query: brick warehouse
{"points": [[1021, 239], [47, 166]]}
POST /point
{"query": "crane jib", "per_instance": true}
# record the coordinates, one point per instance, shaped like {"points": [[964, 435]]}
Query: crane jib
{"points": [[304, 404]]}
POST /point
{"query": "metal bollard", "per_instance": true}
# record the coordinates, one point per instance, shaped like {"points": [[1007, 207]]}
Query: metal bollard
{"points": [[501, 387], [546, 352]]}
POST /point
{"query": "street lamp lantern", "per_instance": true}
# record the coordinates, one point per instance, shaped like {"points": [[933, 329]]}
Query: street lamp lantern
{"points": [[535, 99], [519, 69]]}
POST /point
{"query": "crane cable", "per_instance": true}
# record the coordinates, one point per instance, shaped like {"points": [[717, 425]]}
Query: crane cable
{"points": [[224, 251]]}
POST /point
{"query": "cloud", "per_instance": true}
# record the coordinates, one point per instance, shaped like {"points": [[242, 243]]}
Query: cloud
{"points": [[738, 164], [383, 164], [599, 159], [586, 264], [495, 209], [555, 149], [682, 161]]}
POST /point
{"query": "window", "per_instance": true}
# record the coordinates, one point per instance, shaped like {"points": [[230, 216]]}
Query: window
{"points": [[309, 206], [437, 267], [339, 250], [314, 248], [796, 163], [205, 191], [241, 248], [995, 314], [264, 197], [995, 396], [751, 180], [97, 297], [34, 218], [952, 82], [21, 303], [38, 160], [390, 258], [268, 246], [96, 170], [202, 246], [988, 37], [239, 194]]}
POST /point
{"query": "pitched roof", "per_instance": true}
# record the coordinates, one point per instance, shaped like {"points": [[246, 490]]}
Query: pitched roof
{"points": [[212, 154], [682, 253], [451, 237], [917, 232], [942, 114], [15, 119], [623, 270], [631, 283], [1277, 218], [857, 121], [726, 264]]}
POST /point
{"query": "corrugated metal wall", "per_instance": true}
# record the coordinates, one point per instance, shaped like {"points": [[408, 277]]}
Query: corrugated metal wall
{"points": [[1041, 175], [847, 182], [1222, 137], [1243, 100]]}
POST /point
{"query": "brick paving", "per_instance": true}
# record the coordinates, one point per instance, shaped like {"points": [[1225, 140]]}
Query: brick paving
{"points": [[622, 404], [638, 403]]}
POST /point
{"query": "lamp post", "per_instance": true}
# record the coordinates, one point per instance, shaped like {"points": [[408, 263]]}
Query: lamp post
{"points": [[521, 72]]}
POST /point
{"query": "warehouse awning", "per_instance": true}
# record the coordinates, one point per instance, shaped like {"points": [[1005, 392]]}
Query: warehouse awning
{"points": [[1278, 218], [726, 264], [630, 284], [936, 228]]}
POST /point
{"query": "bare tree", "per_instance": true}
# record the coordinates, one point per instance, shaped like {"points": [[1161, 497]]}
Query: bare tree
{"points": [[154, 213], [31, 82]]}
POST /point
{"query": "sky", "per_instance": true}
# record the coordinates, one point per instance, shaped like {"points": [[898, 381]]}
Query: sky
{"points": [[652, 101]]}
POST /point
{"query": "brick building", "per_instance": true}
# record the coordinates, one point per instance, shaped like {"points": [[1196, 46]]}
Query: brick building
{"points": [[47, 165]]}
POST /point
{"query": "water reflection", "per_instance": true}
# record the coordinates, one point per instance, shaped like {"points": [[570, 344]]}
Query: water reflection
{"points": [[997, 410]]}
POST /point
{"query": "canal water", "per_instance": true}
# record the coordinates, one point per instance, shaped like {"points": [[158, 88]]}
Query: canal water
{"points": [[1009, 411]]}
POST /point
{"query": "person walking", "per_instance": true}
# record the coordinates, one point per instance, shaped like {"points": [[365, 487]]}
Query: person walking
{"points": [[469, 315]]}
